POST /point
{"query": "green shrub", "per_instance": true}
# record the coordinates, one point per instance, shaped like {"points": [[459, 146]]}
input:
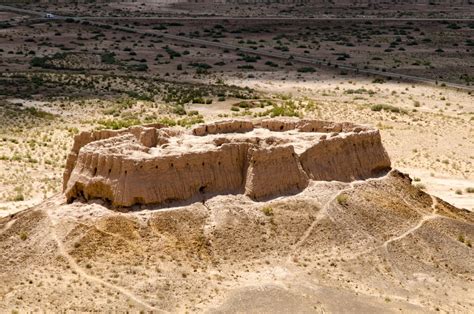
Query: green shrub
{"points": [[287, 109], [38, 62], [23, 235], [179, 110], [420, 186], [380, 107], [203, 66], [172, 54], [246, 67], [268, 211], [271, 64], [38, 113], [19, 198], [118, 124], [342, 199], [306, 70], [108, 57], [378, 81]]}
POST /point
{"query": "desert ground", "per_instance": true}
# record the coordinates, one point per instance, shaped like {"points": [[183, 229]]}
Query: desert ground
{"points": [[117, 65]]}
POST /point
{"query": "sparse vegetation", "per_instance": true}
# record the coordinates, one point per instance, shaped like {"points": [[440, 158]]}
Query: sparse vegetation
{"points": [[267, 210], [64, 76], [420, 186], [342, 199], [380, 107], [307, 70], [23, 235]]}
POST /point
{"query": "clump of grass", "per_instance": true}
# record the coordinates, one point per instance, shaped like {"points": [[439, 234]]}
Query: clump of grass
{"points": [[23, 235], [342, 199], [462, 239], [420, 186], [108, 57], [19, 198], [287, 109], [380, 107], [116, 124], [378, 81], [458, 192], [307, 70], [268, 211], [470, 190]]}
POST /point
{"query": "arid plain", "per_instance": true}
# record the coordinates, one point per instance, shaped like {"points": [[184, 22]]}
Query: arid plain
{"points": [[62, 76]]}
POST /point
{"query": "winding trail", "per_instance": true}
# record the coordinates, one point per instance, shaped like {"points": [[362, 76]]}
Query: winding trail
{"points": [[113, 235], [324, 212], [420, 223], [7, 226], [425, 218], [82, 273]]}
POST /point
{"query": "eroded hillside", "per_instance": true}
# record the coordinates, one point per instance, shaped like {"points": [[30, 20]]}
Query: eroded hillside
{"points": [[366, 245]]}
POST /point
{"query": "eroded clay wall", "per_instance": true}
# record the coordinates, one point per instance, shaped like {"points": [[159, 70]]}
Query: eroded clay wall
{"points": [[353, 157], [117, 165], [274, 171]]}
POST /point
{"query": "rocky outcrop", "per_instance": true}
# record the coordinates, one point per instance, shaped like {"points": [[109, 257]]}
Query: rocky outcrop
{"points": [[153, 164]]}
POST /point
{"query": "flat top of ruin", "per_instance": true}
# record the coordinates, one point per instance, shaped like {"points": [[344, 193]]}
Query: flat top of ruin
{"points": [[188, 143], [176, 141], [185, 143]]}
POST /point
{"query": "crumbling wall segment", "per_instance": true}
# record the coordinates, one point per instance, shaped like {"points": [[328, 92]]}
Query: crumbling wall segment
{"points": [[124, 168]]}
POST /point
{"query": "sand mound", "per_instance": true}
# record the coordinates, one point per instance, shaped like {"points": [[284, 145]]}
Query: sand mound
{"points": [[379, 245]]}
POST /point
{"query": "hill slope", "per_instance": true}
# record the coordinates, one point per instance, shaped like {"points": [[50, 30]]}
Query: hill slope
{"points": [[368, 245]]}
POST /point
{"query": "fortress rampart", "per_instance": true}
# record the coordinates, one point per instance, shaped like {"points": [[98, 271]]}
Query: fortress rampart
{"points": [[154, 164]]}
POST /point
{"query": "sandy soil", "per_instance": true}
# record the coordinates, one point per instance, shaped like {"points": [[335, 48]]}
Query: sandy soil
{"points": [[388, 247]]}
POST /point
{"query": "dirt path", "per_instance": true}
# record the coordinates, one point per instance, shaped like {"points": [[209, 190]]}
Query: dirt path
{"points": [[423, 219], [7, 226], [74, 266], [324, 212]]}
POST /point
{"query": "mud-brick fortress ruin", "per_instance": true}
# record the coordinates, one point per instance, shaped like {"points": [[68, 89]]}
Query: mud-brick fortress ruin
{"points": [[155, 164]]}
